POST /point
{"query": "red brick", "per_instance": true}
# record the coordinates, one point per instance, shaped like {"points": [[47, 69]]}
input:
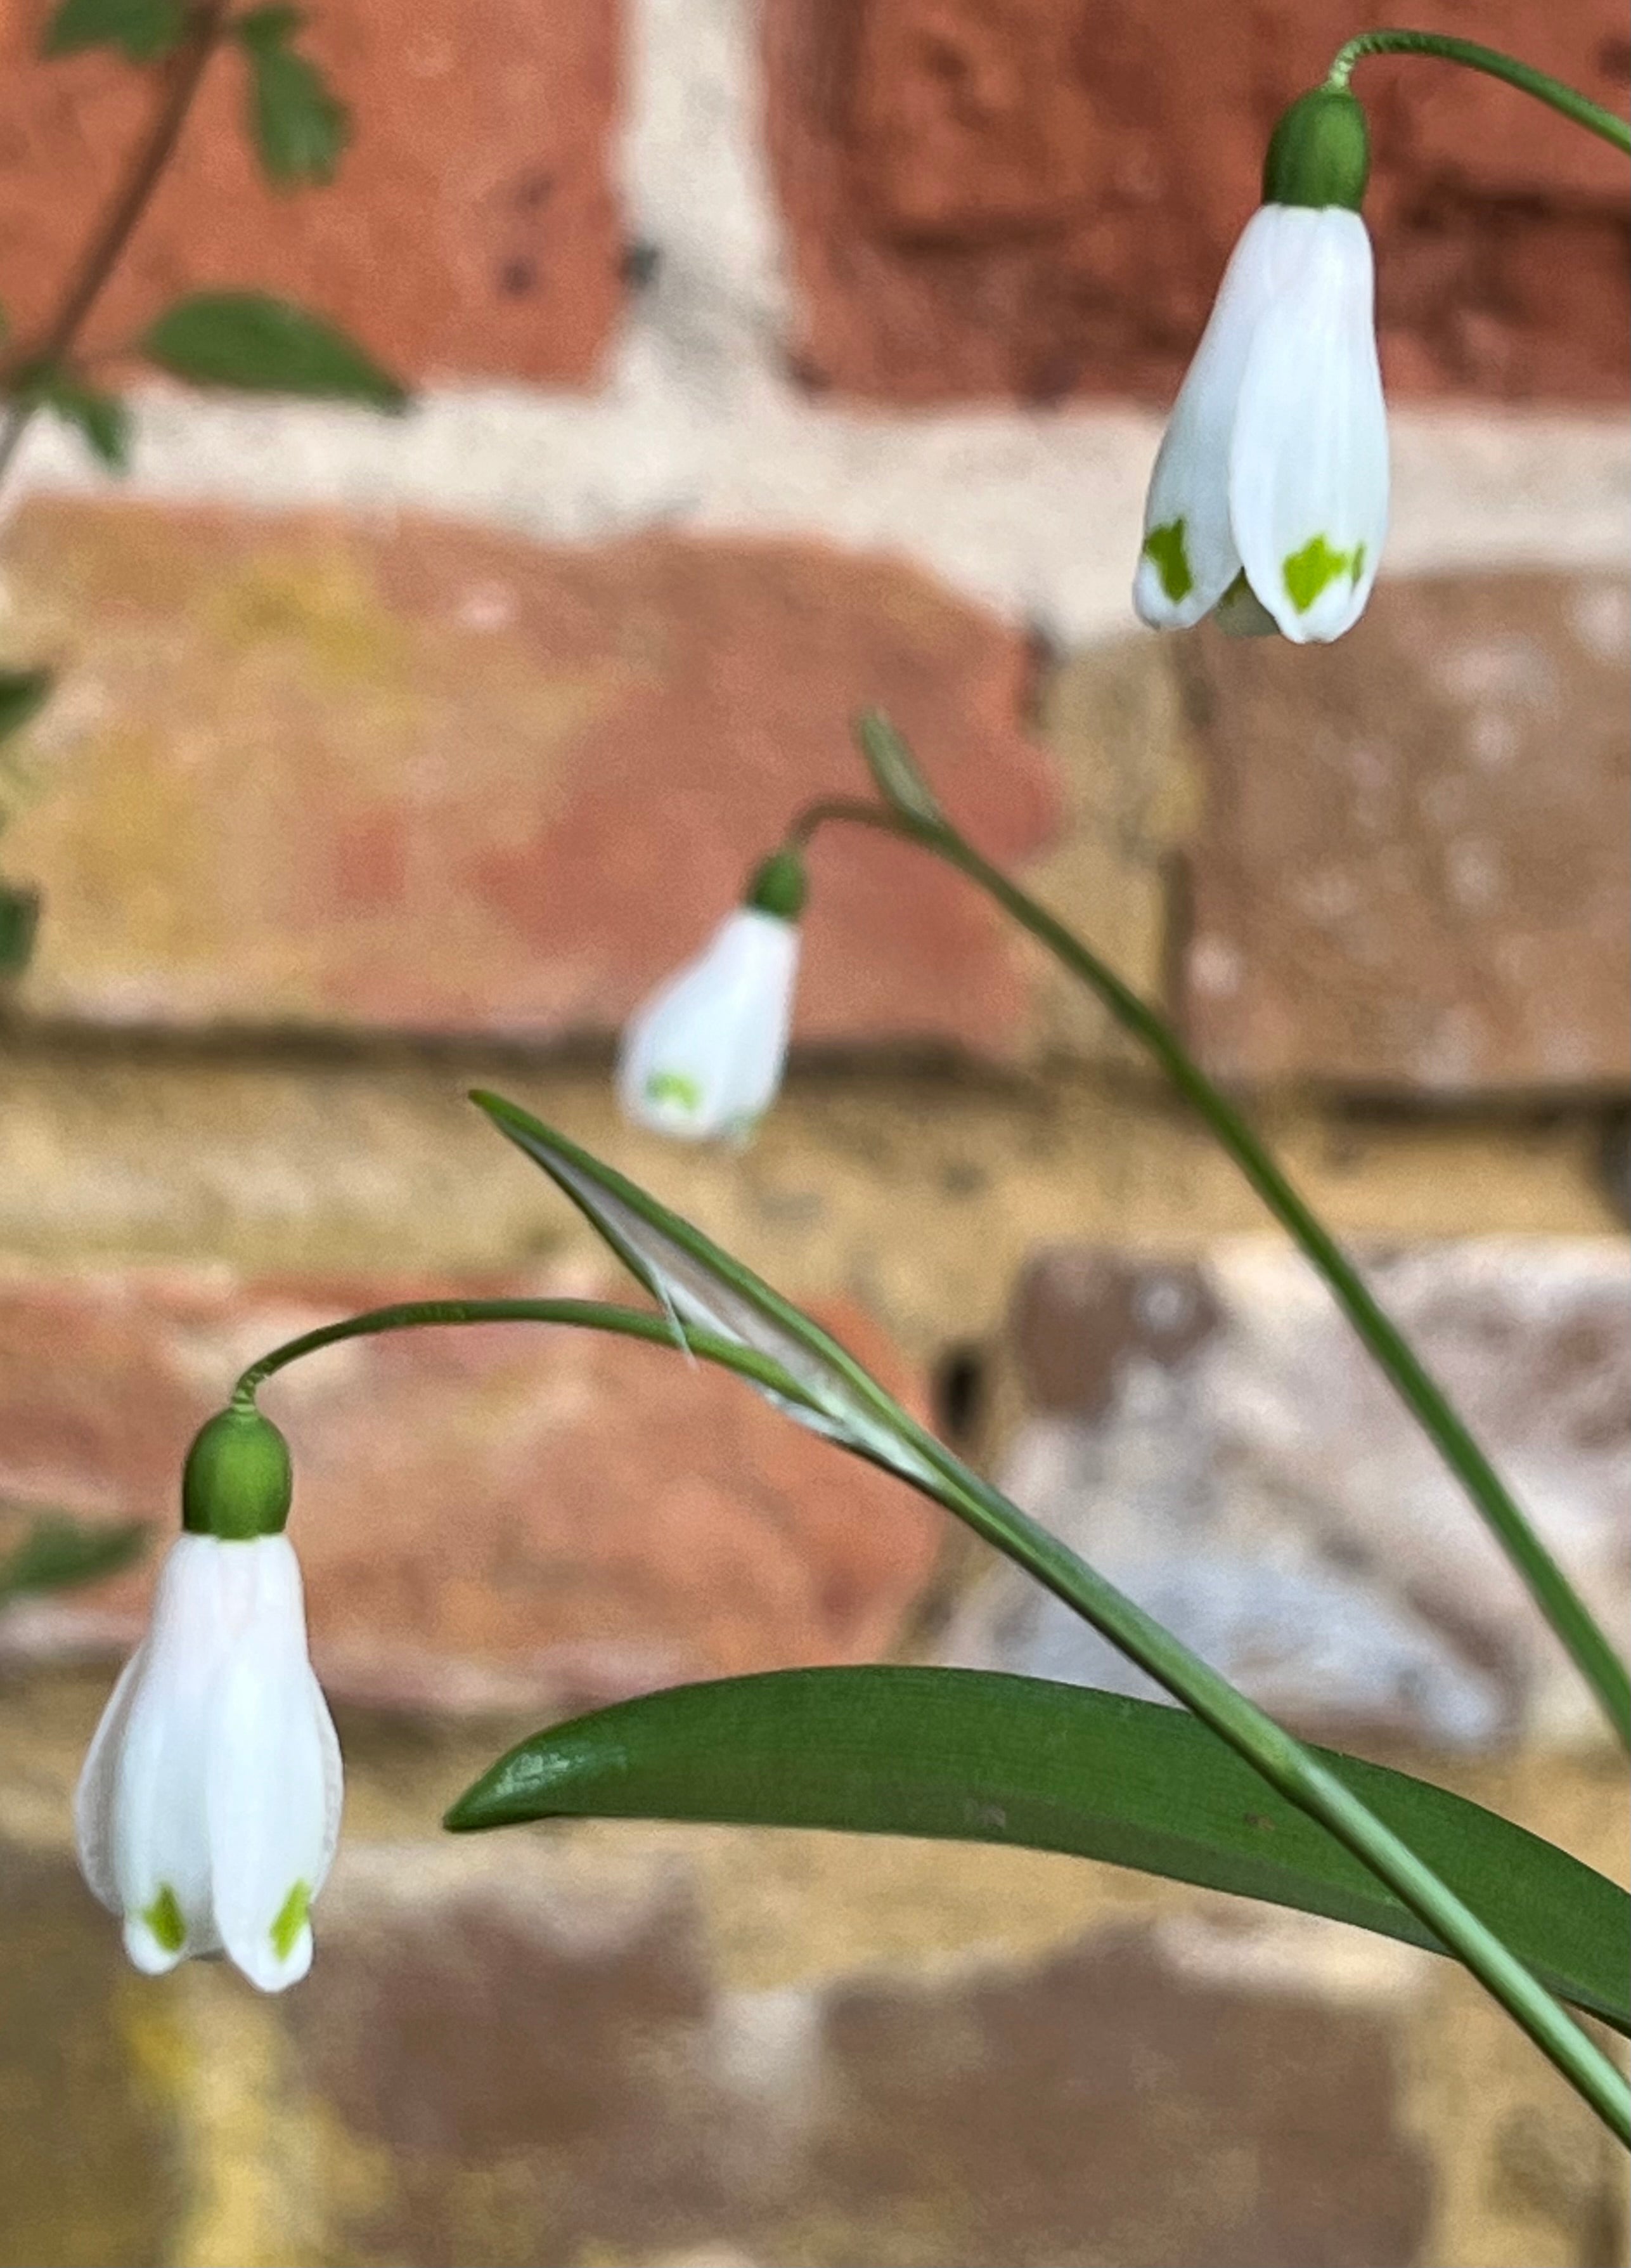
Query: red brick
{"points": [[471, 229], [310, 773], [508, 1515], [1441, 904], [1036, 197]]}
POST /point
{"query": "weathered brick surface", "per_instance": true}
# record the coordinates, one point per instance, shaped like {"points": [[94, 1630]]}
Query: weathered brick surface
{"points": [[1212, 1437], [1036, 197], [471, 230], [1003, 2113], [1414, 866], [307, 773], [484, 1516], [85, 2161]]}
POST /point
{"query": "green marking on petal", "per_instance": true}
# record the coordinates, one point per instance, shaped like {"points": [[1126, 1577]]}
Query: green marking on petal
{"points": [[1315, 568], [163, 1918], [1164, 546], [675, 1087], [290, 1920]]}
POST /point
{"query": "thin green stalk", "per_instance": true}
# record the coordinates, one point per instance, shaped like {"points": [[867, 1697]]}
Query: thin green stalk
{"points": [[583, 1314], [1422, 1395], [1298, 1775], [1565, 100], [1273, 1753]]}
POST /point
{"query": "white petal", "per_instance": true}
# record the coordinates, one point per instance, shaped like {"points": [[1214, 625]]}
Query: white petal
{"points": [[155, 1841], [1189, 558], [1308, 471], [705, 1056], [93, 1798], [273, 1787]]}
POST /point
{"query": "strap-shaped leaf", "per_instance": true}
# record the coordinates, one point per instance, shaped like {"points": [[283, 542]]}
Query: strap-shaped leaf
{"points": [[698, 1284], [974, 1757]]}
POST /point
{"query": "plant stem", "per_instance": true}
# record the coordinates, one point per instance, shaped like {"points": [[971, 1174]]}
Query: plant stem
{"points": [[1300, 1776], [585, 1314], [1279, 1759], [1541, 85], [1420, 1391], [184, 69]]}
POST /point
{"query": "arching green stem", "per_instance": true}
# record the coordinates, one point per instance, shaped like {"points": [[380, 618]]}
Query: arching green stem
{"points": [[1281, 1760], [1565, 100], [1417, 1388], [583, 1314]]}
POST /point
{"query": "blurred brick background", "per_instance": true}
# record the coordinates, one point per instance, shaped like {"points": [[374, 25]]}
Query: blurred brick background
{"points": [[778, 360]]}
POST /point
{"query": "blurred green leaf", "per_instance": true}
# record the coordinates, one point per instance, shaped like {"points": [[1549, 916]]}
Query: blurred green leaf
{"points": [[19, 928], [973, 1756], [22, 694], [894, 767], [299, 125], [101, 419], [259, 345], [19, 925], [144, 29], [58, 1552]]}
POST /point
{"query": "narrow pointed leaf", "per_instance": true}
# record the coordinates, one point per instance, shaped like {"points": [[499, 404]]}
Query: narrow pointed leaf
{"points": [[894, 767], [697, 1283], [58, 1552], [973, 1756], [254, 344]]}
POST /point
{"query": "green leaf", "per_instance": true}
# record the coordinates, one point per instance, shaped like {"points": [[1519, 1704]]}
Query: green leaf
{"points": [[19, 925], [101, 419], [58, 1552], [22, 694], [19, 928], [698, 1284], [259, 345], [144, 29], [299, 125], [973, 1756], [894, 767]]}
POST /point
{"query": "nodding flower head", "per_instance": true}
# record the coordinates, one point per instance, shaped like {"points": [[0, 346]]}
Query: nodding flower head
{"points": [[702, 1057], [208, 1807], [1268, 501]]}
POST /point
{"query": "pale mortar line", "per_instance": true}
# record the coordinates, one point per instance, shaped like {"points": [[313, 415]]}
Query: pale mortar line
{"points": [[1036, 518]]}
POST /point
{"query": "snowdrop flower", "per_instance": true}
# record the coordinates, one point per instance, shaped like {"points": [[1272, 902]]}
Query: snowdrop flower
{"points": [[1269, 494], [208, 1807], [704, 1056]]}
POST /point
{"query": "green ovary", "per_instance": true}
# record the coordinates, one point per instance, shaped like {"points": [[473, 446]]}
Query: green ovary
{"points": [[290, 1920], [675, 1087], [163, 1918], [1315, 567], [1165, 549]]}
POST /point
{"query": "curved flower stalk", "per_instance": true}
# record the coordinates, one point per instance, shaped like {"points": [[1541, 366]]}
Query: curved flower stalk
{"points": [[209, 1808], [703, 1058], [1268, 501]]}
